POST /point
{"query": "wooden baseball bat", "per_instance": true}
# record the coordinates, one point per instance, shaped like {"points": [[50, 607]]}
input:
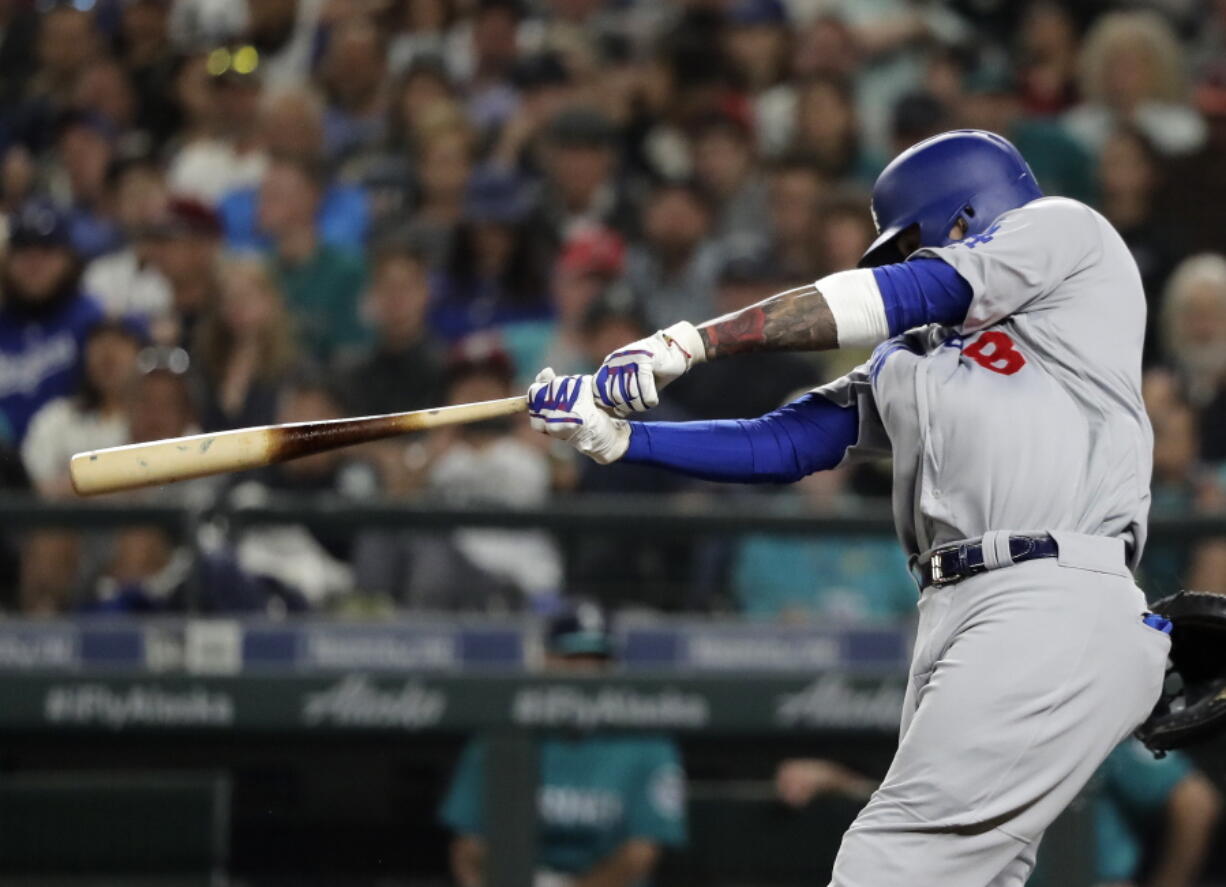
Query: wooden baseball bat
{"points": [[180, 458]]}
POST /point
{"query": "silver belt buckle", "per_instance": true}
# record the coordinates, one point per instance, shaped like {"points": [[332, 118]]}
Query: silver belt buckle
{"points": [[938, 574]]}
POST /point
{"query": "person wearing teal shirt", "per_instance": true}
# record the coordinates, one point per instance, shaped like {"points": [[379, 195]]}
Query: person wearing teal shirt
{"points": [[1136, 795], [607, 803], [846, 579], [322, 281]]}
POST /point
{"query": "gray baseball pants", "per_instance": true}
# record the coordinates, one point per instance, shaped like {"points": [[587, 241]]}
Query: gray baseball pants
{"points": [[1022, 681]]}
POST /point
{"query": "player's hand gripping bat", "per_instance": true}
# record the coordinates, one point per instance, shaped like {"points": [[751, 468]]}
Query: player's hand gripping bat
{"points": [[181, 458]]}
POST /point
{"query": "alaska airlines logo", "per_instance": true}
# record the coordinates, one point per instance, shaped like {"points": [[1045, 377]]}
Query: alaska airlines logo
{"points": [[833, 701], [356, 702]]}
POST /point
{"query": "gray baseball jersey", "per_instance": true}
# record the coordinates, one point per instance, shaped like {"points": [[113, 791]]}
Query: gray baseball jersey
{"points": [[1029, 416]]}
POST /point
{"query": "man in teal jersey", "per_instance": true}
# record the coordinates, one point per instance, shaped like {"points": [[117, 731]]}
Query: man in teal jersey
{"points": [[607, 802], [1135, 796]]}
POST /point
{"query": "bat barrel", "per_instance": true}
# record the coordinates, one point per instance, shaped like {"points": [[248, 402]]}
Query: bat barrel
{"points": [[167, 461], [182, 458]]}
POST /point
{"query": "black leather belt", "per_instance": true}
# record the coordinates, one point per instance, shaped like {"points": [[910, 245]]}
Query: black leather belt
{"points": [[955, 562]]}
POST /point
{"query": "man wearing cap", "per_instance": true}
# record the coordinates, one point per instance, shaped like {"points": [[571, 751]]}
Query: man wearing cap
{"points": [[44, 317], [607, 803]]}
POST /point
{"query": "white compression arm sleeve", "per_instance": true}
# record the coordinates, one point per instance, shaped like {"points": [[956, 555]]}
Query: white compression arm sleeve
{"points": [[855, 302]]}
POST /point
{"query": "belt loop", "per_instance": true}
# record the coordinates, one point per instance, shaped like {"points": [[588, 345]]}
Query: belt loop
{"points": [[996, 552]]}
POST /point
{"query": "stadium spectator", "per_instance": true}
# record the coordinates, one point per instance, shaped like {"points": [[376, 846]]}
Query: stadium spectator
{"points": [[676, 264], [1129, 181], [94, 418], [579, 163], [18, 37], [843, 231], [403, 368], [487, 462], [148, 57], [588, 263], [1132, 73], [757, 43], [827, 131], [484, 463], [126, 282], [724, 167], [151, 571], [322, 279], [244, 346], [444, 167], [423, 85], [354, 75], [49, 572], [992, 101], [105, 89], [1047, 57], [494, 273], [291, 130], [490, 57], [184, 246], [221, 151], [44, 317], [424, 28], [1181, 485], [608, 804], [545, 87], [313, 561], [796, 187], [914, 117], [67, 41], [86, 148], [284, 33], [1194, 343]]}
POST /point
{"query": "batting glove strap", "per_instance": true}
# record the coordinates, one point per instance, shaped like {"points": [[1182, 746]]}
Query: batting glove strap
{"points": [[630, 379], [564, 407]]}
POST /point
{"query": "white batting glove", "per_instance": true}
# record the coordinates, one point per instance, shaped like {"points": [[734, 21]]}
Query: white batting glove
{"points": [[630, 379], [563, 407]]}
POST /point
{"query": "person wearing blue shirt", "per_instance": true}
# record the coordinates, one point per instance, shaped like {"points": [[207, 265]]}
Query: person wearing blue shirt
{"points": [[44, 316], [342, 219], [607, 803]]}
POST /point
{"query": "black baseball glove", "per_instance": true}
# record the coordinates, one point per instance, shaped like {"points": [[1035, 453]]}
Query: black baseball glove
{"points": [[1193, 702]]}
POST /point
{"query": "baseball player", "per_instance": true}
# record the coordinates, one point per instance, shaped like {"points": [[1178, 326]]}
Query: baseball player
{"points": [[1005, 381], [608, 804]]}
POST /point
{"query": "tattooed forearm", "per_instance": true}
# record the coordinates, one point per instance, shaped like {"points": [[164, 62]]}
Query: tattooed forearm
{"points": [[796, 320]]}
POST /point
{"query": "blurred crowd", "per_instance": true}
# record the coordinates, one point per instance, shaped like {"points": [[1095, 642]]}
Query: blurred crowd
{"points": [[224, 213]]}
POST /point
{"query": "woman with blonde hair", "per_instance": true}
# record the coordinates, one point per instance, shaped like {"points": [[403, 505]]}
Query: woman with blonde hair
{"points": [[1132, 72], [244, 345]]}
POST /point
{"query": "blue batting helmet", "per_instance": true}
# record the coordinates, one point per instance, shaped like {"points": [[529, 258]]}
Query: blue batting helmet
{"points": [[965, 174]]}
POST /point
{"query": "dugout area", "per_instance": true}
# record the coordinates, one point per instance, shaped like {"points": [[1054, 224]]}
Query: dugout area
{"points": [[283, 808]]}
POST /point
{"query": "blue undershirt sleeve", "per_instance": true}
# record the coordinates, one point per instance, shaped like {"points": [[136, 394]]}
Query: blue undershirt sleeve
{"points": [[922, 291], [807, 435]]}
